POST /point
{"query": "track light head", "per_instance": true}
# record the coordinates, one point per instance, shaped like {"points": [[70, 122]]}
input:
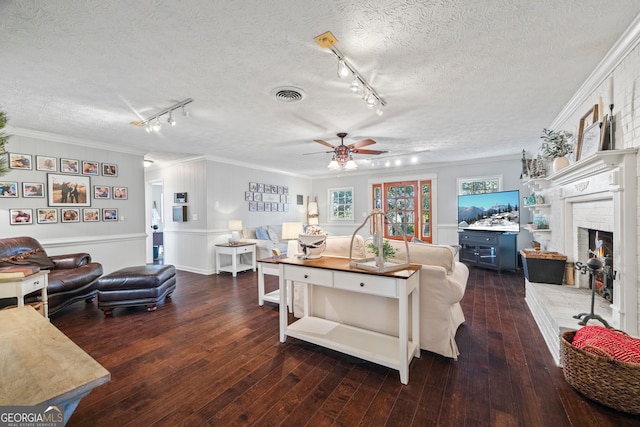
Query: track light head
{"points": [[343, 71], [170, 120]]}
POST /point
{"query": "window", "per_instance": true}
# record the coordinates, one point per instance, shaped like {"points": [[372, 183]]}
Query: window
{"points": [[408, 204], [341, 204], [483, 184]]}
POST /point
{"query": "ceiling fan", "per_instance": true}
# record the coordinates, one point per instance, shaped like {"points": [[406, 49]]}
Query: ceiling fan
{"points": [[342, 154]]}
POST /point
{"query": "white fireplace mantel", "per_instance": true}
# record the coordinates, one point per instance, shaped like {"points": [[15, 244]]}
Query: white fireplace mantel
{"points": [[600, 162]]}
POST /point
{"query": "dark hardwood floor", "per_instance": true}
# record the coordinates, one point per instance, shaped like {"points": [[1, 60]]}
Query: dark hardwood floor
{"points": [[211, 356]]}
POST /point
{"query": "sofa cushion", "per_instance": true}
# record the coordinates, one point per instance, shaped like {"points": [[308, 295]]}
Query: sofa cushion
{"points": [[262, 234], [273, 234]]}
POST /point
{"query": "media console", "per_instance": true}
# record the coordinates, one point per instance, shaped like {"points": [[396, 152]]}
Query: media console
{"points": [[489, 249]]}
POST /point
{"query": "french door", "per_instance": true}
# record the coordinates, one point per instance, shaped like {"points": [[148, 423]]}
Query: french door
{"points": [[408, 204]]}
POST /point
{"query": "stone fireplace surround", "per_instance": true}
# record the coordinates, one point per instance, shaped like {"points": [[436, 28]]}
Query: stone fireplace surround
{"points": [[595, 193]]}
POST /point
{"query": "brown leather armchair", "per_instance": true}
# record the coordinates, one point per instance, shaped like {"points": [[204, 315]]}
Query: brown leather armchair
{"points": [[72, 277]]}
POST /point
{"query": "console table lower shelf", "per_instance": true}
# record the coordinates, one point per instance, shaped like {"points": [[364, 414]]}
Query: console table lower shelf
{"points": [[395, 352]]}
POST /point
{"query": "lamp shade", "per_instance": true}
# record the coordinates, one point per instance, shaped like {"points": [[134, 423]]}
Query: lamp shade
{"points": [[291, 230], [235, 225]]}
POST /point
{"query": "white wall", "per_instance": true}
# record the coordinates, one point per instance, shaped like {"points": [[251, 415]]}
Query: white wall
{"points": [[445, 204], [113, 244], [215, 195]]}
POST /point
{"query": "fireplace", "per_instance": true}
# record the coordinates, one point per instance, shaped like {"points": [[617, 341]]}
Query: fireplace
{"points": [[597, 194], [595, 243]]}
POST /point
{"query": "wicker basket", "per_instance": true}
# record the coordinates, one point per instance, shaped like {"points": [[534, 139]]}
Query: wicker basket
{"points": [[613, 383]]}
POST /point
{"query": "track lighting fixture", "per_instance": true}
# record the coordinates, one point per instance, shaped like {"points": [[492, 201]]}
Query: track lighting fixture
{"points": [[369, 94], [152, 123]]}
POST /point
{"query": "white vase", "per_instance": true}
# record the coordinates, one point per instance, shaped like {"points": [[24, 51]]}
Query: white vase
{"points": [[560, 163]]}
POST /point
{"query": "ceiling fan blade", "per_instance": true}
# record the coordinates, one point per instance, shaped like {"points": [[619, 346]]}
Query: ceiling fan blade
{"points": [[362, 143], [319, 141], [356, 151], [317, 152]]}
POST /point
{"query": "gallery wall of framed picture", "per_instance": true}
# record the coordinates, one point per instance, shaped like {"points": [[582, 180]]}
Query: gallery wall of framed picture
{"points": [[267, 197], [67, 190]]}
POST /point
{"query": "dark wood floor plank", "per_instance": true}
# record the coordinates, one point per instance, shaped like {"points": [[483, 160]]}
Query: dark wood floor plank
{"points": [[211, 356]]}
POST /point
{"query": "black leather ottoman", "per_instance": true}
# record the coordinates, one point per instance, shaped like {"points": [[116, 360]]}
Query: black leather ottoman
{"points": [[142, 285]]}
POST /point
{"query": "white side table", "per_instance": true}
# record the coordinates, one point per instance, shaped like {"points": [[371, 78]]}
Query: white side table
{"points": [[18, 287], [234, 251], [270, 266]]}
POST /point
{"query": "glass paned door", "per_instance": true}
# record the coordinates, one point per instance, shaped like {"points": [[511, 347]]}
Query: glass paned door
{"points": [[401, 203]]}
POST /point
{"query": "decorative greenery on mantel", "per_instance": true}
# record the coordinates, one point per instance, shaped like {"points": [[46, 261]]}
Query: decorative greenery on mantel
{"points": [[4, 138], [556, 143]]}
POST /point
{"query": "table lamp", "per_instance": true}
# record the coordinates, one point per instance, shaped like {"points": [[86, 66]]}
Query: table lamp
{"points": [[235, 226]]}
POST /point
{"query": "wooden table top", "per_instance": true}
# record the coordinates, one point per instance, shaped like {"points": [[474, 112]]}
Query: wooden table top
{"points": [[342, 264], [233, 245], [39, 364]]}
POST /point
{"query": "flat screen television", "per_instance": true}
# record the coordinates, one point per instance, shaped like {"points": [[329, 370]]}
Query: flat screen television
{"points": [[498, 211]]}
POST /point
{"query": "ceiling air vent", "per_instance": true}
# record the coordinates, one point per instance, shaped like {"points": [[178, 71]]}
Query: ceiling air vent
{"points": [[288, 94]]}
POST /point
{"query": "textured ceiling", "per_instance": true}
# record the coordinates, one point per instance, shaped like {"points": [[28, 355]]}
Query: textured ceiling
{"points": [[463, 79]]}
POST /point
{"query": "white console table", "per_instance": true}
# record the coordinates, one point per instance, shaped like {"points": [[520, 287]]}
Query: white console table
{"points": [[234, 251], [20, 286], [395, 352]]}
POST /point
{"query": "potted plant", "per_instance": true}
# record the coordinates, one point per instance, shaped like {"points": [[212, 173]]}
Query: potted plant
{"points": [[388, 251], [556, 146]]}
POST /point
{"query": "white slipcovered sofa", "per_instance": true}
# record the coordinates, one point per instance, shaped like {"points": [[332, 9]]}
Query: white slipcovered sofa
{"points": [[442, 284], [266, 238]]}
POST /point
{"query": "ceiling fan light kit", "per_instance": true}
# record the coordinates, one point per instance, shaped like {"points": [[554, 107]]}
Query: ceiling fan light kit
{"points": [[369, 95], [150, 126], [342, 157]]}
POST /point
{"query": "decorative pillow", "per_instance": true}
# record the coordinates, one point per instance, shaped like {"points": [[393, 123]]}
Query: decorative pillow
{"points": [[273, 235], [36, 257], [249, 233], [262, 234]]}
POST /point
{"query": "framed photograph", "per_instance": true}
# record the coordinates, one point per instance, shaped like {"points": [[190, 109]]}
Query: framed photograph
{"points": [[47, 216], [90, 168], [109, 169], [21, 216], [8, 189], [257, 197], [69, 166], [180, 197], [260, 188], [590, 142], [90, 214], [33, 189], [253, 186], [46, 163], [20, 161], [101, 192], [267, 188], [179, 213], [70, 215], [267, 207], [260, 207], [120, 193], [110, 215], [248, 195], [253, 206], [65, 190], [589, 118]]}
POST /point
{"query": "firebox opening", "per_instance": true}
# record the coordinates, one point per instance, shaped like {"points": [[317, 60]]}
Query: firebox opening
{"points": [[604, 277]]}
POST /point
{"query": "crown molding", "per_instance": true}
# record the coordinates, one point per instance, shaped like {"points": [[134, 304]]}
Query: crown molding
{"points": [[53, 137], [620, 50]]}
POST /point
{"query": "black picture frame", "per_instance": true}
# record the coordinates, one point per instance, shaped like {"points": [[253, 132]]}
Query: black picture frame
{"points": [[68, 190]]}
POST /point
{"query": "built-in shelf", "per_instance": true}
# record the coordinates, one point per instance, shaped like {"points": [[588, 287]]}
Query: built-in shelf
{"points": [[543, 205], [537, 230]]}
